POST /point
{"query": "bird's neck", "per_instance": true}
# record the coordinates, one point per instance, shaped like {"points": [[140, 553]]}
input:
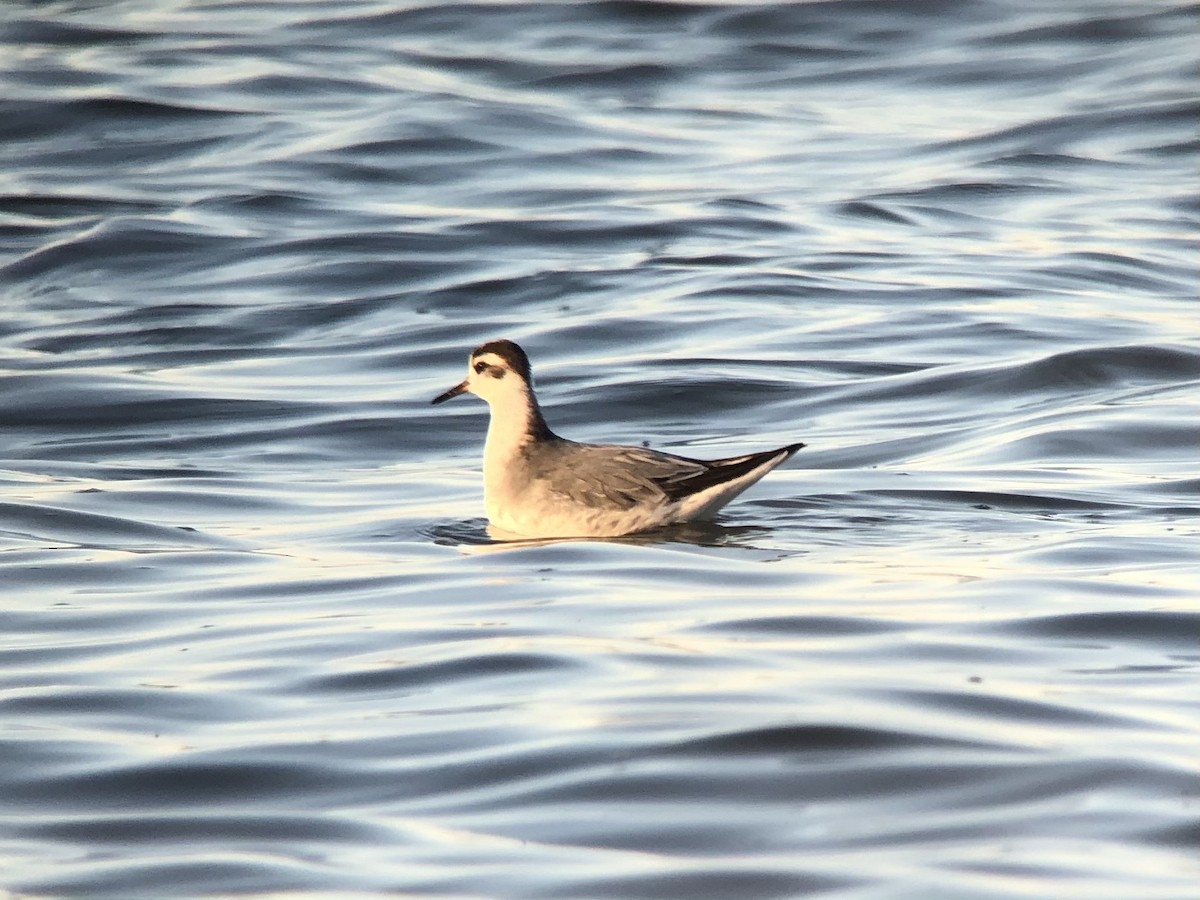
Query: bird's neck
{"points": [[513, 426]]}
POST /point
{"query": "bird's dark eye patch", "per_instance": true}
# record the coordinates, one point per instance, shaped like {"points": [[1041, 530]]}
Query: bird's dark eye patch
{"points": [[485, 368]]}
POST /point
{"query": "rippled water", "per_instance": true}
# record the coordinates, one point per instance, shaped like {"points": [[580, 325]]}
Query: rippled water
{"points": [[256, 640]]}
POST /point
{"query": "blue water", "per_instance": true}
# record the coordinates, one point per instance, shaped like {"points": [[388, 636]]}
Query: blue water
{"points": [[255, 639]]}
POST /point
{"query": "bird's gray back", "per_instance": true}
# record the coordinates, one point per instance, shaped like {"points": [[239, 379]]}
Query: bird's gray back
{"points": [[600, 475]]}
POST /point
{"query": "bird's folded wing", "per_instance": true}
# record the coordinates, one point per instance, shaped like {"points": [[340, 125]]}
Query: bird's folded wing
{"points": [[620, 477]]}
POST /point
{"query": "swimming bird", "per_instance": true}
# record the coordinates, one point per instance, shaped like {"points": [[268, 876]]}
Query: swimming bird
{"points": [[539, 485]]}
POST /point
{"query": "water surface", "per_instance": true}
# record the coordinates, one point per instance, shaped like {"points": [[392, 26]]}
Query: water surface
{"points": [[256, 640]]}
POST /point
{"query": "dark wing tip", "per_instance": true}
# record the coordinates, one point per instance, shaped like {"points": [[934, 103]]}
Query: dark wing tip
{"points": [[718, 471]]}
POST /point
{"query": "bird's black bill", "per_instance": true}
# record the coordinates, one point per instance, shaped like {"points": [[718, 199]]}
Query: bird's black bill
{"points": [[453, 392]]}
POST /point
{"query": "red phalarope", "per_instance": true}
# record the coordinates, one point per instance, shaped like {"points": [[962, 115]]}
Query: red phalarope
{"points": [[539, 485]]}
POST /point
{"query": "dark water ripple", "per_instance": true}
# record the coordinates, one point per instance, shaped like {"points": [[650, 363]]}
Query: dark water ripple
{"points": [[256, 638]]}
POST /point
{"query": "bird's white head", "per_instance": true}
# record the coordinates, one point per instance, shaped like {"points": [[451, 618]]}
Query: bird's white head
{"points": [[498, 372]]}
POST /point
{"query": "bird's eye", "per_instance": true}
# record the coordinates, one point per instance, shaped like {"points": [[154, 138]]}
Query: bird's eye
{"points": [[480, 366]]}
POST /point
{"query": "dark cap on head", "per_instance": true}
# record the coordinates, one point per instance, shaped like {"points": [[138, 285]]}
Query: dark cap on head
{"points": [[512, 355]]}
